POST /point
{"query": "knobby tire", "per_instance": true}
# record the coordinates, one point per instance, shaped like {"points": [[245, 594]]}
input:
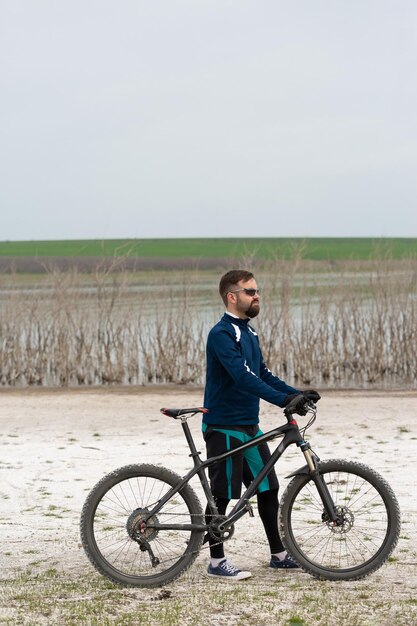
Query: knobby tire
{"points": [[117, 503], [362, 543]]}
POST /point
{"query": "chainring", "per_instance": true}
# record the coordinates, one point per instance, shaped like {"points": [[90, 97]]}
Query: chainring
{"points": [[216, 533]]}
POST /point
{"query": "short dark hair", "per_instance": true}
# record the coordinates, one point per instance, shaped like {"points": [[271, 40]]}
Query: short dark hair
{"points": [[230, 280]]}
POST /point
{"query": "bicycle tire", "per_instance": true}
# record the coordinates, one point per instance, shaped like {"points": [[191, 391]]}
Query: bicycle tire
{"points": [[369, 532], [115, 505]]}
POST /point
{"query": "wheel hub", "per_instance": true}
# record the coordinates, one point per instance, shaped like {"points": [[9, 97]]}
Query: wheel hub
{"points": [[345, 520], [138, 528]]}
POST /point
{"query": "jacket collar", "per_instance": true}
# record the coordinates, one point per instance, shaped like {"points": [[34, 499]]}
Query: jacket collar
{"points": [[232, 319]]}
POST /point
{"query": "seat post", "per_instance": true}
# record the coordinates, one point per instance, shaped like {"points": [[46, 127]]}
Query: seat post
{"points": [[195, 455], [189, 438]]}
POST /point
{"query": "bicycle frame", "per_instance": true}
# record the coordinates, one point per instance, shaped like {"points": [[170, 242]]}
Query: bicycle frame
{"points": [[291, 435], [342, 539]]}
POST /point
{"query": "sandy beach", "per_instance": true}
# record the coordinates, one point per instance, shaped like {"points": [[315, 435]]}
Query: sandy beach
{"points": [[55, 445]]}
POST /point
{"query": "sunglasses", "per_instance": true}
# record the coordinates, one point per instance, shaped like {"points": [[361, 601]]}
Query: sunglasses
{"points": [[249, 292]]}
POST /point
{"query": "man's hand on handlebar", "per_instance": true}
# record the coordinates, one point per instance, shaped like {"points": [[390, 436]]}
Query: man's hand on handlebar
{"points": [[300, 402], [312, 395], [296, 403]]}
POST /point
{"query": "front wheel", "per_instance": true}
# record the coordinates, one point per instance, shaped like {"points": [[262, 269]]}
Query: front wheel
{"points": [[368, 528], [116, 514]]}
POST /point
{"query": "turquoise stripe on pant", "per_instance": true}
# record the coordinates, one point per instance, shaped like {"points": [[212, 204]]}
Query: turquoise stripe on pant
{"points": [[251, 456]]}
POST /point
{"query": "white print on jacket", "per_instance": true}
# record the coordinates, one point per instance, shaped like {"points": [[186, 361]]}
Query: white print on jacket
{"points": [[249, 369], [237, 331], [238, 334]]}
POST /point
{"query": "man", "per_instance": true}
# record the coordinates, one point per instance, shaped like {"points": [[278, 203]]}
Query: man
{"points": [[236, 379]]}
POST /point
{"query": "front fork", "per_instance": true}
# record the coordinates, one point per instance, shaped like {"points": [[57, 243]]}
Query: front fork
{"points": [[319, 481]]}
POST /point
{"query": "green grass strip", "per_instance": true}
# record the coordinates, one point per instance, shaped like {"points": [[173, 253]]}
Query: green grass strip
{"points": [[326, 248]]}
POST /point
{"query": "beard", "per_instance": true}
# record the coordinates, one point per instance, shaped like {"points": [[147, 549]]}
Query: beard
{"points": [[253, 310]]}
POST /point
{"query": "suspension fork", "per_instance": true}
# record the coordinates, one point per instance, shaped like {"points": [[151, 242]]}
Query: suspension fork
{"points": [[322, 488]]}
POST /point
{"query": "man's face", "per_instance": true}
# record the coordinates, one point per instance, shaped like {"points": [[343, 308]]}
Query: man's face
{"points": [[247, 305]]}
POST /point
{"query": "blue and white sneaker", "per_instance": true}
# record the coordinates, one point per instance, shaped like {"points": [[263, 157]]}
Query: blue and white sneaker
{"points": [[287, 563], [227, 571]]}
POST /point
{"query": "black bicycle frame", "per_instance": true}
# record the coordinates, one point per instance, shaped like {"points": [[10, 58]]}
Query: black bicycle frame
{"points": [[290, 433]]}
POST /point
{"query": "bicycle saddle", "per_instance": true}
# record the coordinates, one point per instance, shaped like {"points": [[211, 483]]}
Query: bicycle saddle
{"points": [[175, 413]]}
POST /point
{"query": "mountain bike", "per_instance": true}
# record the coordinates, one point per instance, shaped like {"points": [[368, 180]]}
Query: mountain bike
{"points": [[143, 525]]}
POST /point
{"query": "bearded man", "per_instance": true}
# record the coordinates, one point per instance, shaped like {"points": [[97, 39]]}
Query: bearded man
{"points": [[236, 379]]}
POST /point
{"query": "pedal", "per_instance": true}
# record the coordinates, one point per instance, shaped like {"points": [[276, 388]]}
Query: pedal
{"points": [[249, 508]]}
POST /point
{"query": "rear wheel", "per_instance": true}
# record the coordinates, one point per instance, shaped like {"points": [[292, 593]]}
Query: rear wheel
{"points": [[368, 528], [116, 514]]}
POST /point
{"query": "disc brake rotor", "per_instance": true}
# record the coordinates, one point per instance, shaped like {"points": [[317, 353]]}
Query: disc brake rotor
{"points": [[345, 521]]}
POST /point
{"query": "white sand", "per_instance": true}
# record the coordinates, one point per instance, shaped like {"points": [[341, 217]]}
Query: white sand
{"points": [[55, 445]]}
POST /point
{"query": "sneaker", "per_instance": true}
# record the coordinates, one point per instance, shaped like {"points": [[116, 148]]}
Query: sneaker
{"points": [[227, 571], [287, 563]]}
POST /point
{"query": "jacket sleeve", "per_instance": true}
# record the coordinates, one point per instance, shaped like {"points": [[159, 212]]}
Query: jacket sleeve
{"points": [[273, 381], [224, 347]]}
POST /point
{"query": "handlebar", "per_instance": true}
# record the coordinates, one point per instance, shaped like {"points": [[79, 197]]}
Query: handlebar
{"points": [[292, 407]]}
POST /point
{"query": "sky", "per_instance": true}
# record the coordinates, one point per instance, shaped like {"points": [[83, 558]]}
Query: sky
{"points": [[208, 118]]}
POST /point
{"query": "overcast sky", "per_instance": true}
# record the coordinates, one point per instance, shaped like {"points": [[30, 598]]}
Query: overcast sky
{"points": [[192, 118]]}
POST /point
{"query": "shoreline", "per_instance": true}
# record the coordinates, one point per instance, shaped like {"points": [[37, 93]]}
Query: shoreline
{"points": [[188, 388]]}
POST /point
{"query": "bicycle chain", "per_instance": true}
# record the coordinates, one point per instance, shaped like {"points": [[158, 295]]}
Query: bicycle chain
{"points": [[202, 547]]}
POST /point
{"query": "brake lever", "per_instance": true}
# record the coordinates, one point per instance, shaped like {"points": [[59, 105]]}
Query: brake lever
{"points": [[289, 413]]}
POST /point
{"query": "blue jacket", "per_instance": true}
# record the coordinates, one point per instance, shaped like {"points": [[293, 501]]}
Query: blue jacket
{"points": [[236, 375]]}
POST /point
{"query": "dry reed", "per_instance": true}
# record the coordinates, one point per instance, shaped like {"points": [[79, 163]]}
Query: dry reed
{"points": [[339, 328]]}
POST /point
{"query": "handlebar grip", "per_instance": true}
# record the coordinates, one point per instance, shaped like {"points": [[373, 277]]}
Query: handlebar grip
{"points": [[294, 407]]}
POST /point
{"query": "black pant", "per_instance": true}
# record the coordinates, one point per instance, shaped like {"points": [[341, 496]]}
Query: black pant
{"points": [[268, 512]]}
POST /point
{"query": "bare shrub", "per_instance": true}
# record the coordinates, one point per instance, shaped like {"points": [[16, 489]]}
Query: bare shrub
{"points": [[347, 331], [339, 325]]}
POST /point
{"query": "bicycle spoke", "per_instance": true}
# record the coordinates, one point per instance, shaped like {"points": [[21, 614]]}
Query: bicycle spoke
{"points": [[361, 535], [113, 514]]}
